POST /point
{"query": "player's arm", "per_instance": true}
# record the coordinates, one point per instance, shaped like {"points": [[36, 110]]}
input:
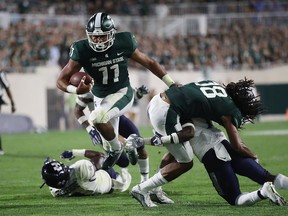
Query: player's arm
{"points": [[81, 104], [96, 157], [187, 133], [9, 94], [235, 139], [153, 66], [71, 68]]}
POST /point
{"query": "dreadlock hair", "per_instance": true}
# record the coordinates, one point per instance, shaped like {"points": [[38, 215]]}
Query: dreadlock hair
{"points": [[244, 98]]}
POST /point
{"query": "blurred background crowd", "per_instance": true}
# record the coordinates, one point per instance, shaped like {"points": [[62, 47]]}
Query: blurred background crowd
{"points": [[34, 37]]}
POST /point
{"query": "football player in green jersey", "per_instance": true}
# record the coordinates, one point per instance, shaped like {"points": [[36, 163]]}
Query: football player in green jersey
{"points": [[171, 113], [104, 56]]}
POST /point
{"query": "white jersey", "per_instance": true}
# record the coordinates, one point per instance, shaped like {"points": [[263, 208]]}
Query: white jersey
{"points": [[85, 180], [206, 138]]}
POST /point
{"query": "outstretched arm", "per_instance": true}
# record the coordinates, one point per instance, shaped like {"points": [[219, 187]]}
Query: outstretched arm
{"points": [[235, 139], [153, 66]]}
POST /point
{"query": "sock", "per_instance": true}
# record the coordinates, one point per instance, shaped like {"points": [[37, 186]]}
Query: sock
{"points": [[144, 168], [115, 144], [248, 198], [281, 182], [153, 182]]}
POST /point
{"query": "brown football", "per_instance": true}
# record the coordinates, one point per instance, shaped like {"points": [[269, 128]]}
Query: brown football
{"points": [[76, 78]]}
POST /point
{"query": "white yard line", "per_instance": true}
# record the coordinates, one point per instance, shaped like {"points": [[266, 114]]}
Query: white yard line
{"points": [[266, 132]]}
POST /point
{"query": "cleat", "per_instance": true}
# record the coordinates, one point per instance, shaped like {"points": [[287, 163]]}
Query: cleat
{"points": [[112, 158], [142, 197], [132, 155], [160, 197], [2, 152], [268, 191]]}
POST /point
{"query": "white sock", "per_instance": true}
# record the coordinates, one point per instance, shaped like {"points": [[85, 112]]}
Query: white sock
{"points": [[153, 182], [248, 198], [144, 168], [115, 144], [281, 182]]}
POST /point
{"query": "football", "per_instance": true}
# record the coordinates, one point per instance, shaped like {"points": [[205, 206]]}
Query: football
{"points": [[76, 78]]}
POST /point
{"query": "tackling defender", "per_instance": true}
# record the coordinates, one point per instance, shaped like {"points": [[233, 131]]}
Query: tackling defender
{"points": [[104, 56], [230, 106]]}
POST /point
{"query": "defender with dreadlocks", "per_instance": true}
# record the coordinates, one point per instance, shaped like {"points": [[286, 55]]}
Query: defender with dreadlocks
{"points": [[171, 114]]}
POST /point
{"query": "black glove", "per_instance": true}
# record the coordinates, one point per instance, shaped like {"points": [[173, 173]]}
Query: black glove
{"points": [[67, 154], [141, 91]]}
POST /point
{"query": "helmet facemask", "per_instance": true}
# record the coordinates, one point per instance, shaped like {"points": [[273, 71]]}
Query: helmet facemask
{"points": [[104, 44], [100, 25]]}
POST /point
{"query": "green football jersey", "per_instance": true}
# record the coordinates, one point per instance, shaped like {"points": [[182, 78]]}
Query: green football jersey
{"points": [[109, 69], [205, 99]]}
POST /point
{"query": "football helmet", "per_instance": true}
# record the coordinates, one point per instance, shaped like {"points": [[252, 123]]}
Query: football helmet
{"points": [[100, 25], [55, 174]]}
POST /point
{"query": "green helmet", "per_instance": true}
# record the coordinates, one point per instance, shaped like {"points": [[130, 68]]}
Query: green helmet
{"points": [[100, 25]]}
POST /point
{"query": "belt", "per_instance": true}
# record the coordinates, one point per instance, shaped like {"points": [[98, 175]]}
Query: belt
{"points": [[164, 97]]}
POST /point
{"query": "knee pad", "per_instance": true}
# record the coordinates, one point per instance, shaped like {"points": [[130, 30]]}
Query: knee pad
{"points": [[99, 115]]}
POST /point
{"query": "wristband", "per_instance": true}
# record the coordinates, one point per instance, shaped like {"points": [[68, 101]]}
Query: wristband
{"points": [[167, 80], [82, 119], [80, 103], [71, 89], [78, 152], [175, 138], [89, 128], [166, 139]]}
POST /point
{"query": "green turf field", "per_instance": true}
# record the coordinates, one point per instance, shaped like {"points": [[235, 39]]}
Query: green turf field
{"points": [[193, 193]]}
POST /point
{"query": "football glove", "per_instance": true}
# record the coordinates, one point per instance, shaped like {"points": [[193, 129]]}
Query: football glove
{"points": [[134, 141], [95, 137], [67, 154], [156, 140], [141, 91]]}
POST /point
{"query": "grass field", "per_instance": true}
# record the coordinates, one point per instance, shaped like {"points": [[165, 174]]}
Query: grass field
{"points": [[193, 192]]}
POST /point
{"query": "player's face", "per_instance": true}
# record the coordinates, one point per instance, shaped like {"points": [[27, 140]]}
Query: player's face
{"points": [[99, 38]]}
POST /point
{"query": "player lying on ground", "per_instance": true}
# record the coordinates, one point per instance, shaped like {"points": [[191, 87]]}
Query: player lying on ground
{"points": [[84, 177], [126, 128], [230, 106]]}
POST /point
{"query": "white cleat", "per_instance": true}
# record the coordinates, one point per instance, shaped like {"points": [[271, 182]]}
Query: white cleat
{"points": [[160, 197], [268, 191], [142, 197]]}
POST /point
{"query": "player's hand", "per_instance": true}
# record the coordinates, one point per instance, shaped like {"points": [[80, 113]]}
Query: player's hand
{"points": [[141, 91], [95, 137], [134, 141], [156, 140], [83, 88], [67, 154]]}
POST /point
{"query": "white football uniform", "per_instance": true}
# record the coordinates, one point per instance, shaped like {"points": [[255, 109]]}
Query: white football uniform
{"points": [[85, 180], [206, 138]]}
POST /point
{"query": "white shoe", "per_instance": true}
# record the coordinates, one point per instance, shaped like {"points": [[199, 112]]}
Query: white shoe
{"points": [[2, 152], [268, 191], [142, 197], [160, 197], [126, 177]]}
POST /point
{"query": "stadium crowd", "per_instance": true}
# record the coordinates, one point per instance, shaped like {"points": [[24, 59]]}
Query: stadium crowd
{"points": [[141, 7], [237, 45]]}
